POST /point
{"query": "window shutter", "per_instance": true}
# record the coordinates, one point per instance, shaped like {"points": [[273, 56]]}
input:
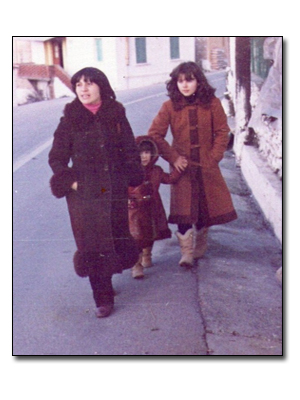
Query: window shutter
{"points": [[174, 47], [140, 48], [99, 49]]}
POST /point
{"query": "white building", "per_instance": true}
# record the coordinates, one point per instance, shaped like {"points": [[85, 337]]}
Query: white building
{"points": [[128, 62]]}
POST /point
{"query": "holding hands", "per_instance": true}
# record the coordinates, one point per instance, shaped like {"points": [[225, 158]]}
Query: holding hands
{"points": [[181, 163]]}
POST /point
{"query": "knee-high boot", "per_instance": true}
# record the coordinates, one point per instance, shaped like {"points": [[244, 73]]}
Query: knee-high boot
{"points": [[137, 269], [186, 246], [147, 257], [199, 242]]}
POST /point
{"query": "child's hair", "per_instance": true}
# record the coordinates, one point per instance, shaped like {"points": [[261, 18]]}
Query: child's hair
{"points": [[94, 75], [147, 145], [205, 93]]}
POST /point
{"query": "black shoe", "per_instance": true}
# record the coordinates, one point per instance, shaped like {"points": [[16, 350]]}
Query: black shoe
{"points": [[104, 311]]}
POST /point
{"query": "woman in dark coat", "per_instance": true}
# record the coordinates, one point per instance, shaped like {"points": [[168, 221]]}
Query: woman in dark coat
{"points": [[95, 135], [200, 136]]}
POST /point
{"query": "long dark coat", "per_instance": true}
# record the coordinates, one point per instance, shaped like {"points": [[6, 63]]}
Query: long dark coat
{"points": [[201, 135], [105, 162], [147, 216]]}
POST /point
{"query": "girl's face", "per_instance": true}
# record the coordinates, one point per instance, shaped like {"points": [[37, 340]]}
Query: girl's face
{"points": [[145, 157], [88, 92], [187, 87]]}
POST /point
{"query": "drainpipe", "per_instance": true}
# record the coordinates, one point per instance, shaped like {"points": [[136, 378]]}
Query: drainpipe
{"points": [[127, 60], [127, 51]]}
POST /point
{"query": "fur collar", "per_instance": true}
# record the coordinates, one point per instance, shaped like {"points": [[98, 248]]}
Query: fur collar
{"points": [[182, 103], [81, 118]]}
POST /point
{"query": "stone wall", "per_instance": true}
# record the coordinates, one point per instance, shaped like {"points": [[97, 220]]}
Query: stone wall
{"points": [[258, 134], [266, 102]]}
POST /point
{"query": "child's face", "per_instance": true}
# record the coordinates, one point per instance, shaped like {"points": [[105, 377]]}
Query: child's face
{"points": [[187, 87], [145, 157]]}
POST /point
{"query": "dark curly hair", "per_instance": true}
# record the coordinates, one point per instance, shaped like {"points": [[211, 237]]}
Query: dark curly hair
{"points": [[204, 93], [96, 76]]}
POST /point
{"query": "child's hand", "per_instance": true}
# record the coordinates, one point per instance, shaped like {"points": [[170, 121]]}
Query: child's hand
{"points": [[74, 186], [181, 163]]}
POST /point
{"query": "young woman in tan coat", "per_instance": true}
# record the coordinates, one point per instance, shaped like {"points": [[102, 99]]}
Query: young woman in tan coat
{"points": [[200, 136]]}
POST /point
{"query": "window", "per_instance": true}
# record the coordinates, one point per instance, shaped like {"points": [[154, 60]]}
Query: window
{"points": [[140, 50], [174, 47], [99, 50], [259, 65]]}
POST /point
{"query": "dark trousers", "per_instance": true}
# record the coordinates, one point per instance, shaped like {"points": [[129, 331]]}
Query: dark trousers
{"points": [[182, 228], [102, 288], [202, 216]]}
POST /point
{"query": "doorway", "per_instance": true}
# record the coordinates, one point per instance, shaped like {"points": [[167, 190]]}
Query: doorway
{"points": [[57, 51]]}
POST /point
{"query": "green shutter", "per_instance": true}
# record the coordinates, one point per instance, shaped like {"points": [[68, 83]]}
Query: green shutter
{"points": [[99, 49], [174, 47], [259, 65], [140, 48]]}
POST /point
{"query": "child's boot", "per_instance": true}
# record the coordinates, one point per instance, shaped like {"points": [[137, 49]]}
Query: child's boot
{"points": [[200, 242], [147, 257], [186, 246], [137, 269]]}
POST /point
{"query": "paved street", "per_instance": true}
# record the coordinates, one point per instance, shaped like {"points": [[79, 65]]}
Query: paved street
{"points": [[229, 305]]}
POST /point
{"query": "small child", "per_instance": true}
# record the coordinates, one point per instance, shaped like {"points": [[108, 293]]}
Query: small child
{"points": [[147, 217]]}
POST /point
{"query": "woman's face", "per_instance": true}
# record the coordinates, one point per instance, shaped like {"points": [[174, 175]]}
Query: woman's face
{"points": [[187, 87], [88, 92]]}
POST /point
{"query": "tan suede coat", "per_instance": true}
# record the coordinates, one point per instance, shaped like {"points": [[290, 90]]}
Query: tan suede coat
{"points": [[201, 135]]}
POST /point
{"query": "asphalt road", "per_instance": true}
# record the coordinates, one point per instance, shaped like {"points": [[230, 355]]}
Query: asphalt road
{"points": [[230, 304]]}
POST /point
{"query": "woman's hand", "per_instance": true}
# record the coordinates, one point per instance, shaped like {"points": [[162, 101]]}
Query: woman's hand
{"points": [[181, 163], [74, 186]]}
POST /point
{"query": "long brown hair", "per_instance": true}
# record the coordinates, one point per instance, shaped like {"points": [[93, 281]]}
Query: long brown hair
{"points": [[204, 93]]}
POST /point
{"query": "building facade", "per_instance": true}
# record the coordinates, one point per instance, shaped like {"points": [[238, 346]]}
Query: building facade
{"points": [[128, 62], [212, 52]]}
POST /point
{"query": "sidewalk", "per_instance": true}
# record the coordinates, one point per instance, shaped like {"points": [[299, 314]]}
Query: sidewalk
{"points": [[240, 297]]}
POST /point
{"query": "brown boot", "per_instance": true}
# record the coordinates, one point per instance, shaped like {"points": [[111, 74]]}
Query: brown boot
{"points": [[147, 257], [186, 246], [137, 269], [200, 242]]}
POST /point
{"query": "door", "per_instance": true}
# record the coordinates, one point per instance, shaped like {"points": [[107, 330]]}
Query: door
{"points": [[57, 51]]}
